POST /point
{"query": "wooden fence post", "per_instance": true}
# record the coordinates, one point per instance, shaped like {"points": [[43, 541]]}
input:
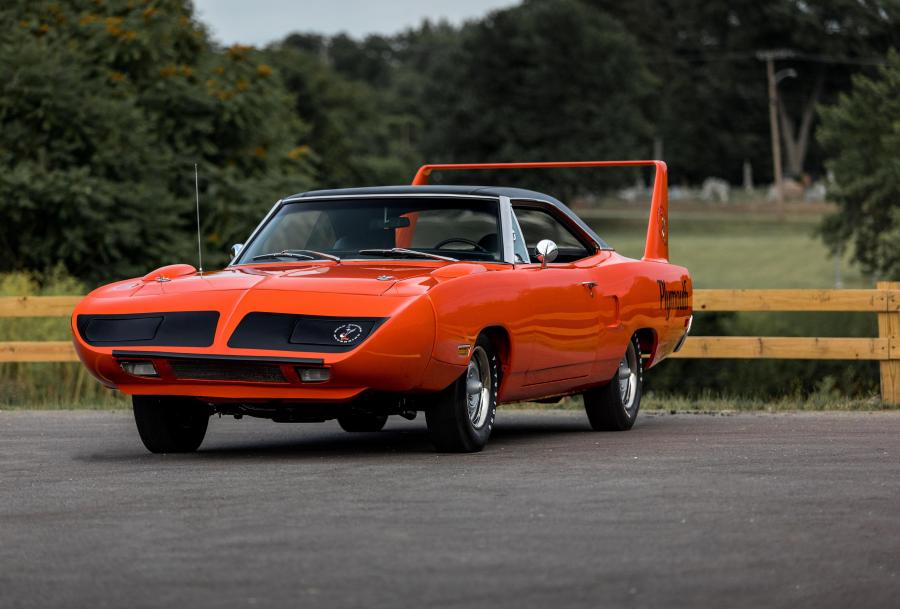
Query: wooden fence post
{"points": [[889, 328]]}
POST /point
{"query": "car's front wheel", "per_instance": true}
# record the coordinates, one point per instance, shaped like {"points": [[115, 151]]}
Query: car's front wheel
{"points": [[462, 416], [614, 406], [169, 424]]}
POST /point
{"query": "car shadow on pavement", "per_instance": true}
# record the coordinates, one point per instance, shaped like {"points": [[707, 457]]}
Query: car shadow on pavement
{"points": [[406, 439], [337, 444], [411, 440]]}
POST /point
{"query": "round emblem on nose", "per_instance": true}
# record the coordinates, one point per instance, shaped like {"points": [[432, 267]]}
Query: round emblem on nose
{"points": [[347, 333]]}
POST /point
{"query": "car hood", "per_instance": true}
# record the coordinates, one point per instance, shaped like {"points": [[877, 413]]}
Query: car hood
{"points": [[363, 279]]}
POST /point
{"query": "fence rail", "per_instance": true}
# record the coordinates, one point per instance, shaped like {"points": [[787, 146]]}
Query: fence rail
{"points": [[38, 306], [783, 347], [884, 300], [881, 299], [37, 351]]}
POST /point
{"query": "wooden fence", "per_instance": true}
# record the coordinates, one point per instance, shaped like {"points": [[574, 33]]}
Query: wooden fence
{"points": [[884, 301], [885, 348]]}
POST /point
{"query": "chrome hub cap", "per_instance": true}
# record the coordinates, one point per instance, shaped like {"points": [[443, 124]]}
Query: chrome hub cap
{"points": [[478, 388], [628, 379]]}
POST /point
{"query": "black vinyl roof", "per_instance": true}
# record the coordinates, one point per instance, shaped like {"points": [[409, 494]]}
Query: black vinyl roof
{"points": [[483, 191], [488, 191]]}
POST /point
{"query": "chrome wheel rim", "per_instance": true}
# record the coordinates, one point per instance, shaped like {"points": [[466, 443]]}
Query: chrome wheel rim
{"points": [[628, 379], [478, 388]]}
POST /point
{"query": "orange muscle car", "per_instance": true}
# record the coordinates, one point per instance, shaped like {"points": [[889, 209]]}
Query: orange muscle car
{"points": [[362, 303]]}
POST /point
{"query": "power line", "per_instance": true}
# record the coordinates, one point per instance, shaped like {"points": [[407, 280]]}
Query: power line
{"points": [[783, 54], [818, 57]]}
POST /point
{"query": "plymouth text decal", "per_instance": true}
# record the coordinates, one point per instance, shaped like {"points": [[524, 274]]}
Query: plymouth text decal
{"points": [[674, 300]]}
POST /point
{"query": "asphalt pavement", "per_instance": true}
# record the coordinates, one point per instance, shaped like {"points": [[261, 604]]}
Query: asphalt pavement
{"points": [[749, 510]]}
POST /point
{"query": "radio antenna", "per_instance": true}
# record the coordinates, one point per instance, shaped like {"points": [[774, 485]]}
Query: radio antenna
{"points": [[197, 194]]}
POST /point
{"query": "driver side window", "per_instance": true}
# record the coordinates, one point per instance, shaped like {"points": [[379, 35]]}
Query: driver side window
{"points": [[537, 224]]}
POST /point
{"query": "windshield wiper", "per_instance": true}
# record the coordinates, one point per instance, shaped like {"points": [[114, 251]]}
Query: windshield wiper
{"points": [[403, 252], [299, 254], [317, 254]]}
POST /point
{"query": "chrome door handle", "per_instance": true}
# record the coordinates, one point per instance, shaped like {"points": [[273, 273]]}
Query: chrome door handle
{"points": [[590, 285]]}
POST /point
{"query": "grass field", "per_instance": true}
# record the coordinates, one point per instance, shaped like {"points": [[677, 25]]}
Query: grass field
{"points": [[730, 250]]}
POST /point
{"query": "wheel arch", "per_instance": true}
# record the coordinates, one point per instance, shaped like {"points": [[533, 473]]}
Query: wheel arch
{"points": [[501, 342], [648, 340]]}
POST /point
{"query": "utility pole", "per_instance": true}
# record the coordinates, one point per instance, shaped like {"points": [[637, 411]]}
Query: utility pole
{"points": [[773, 127], [769, 57]]}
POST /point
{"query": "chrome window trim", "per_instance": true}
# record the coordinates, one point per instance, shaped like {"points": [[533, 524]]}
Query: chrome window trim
{"points": [[506, 231]]}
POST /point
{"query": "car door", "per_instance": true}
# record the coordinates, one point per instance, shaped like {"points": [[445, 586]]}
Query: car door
{"points": [[564, 321]]}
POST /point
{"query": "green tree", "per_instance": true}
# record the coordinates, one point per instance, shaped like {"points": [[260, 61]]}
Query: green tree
{"points": [[104, 109], [541, 81], [711, 107], [357, 136], [861, 132]]}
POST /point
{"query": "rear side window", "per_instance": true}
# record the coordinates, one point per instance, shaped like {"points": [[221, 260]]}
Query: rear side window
{"points": [[537, 224]]}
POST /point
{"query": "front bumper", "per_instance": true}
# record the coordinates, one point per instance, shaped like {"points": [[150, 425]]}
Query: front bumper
{"points": [[241, 379], [395, 358]]}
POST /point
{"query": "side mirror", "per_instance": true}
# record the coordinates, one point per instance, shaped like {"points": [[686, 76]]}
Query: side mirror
{"points": [[546, 251], [236, 249]]}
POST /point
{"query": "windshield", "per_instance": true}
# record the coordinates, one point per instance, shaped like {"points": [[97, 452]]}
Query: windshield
{"points": [[402, 228]]}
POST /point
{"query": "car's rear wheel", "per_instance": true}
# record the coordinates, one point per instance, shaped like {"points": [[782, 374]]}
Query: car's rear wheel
{"points": [[462, 417], [614, 406], [170, 424], [362, 421]]}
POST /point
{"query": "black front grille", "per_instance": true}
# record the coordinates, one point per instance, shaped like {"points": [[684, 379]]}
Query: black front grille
{"points": [[172, 329], [219, 370], [310, 333]]}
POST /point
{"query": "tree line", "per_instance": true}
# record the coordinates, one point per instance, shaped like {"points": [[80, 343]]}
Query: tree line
{"points": [[106, 105]]}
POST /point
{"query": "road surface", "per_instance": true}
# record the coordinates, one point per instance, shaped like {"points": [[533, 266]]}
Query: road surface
{"points": [[750, 510]]}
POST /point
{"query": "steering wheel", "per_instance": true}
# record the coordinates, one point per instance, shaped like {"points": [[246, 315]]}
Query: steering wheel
{"points": [[460, 240]]}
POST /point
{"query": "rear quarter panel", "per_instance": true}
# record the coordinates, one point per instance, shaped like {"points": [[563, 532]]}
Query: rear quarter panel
{"points": [[655, 300], [651, 297]]}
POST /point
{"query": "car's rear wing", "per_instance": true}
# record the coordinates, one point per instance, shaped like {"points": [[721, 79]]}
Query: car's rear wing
{"points": [[657, 247]]}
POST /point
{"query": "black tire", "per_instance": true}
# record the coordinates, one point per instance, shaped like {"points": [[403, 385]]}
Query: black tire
{"points": [[454, 424], [614, 406], [170, 424], [362, 421]]}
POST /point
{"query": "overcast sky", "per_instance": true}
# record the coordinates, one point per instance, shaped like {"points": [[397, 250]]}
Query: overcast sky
{"points": [[258, 22]]}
